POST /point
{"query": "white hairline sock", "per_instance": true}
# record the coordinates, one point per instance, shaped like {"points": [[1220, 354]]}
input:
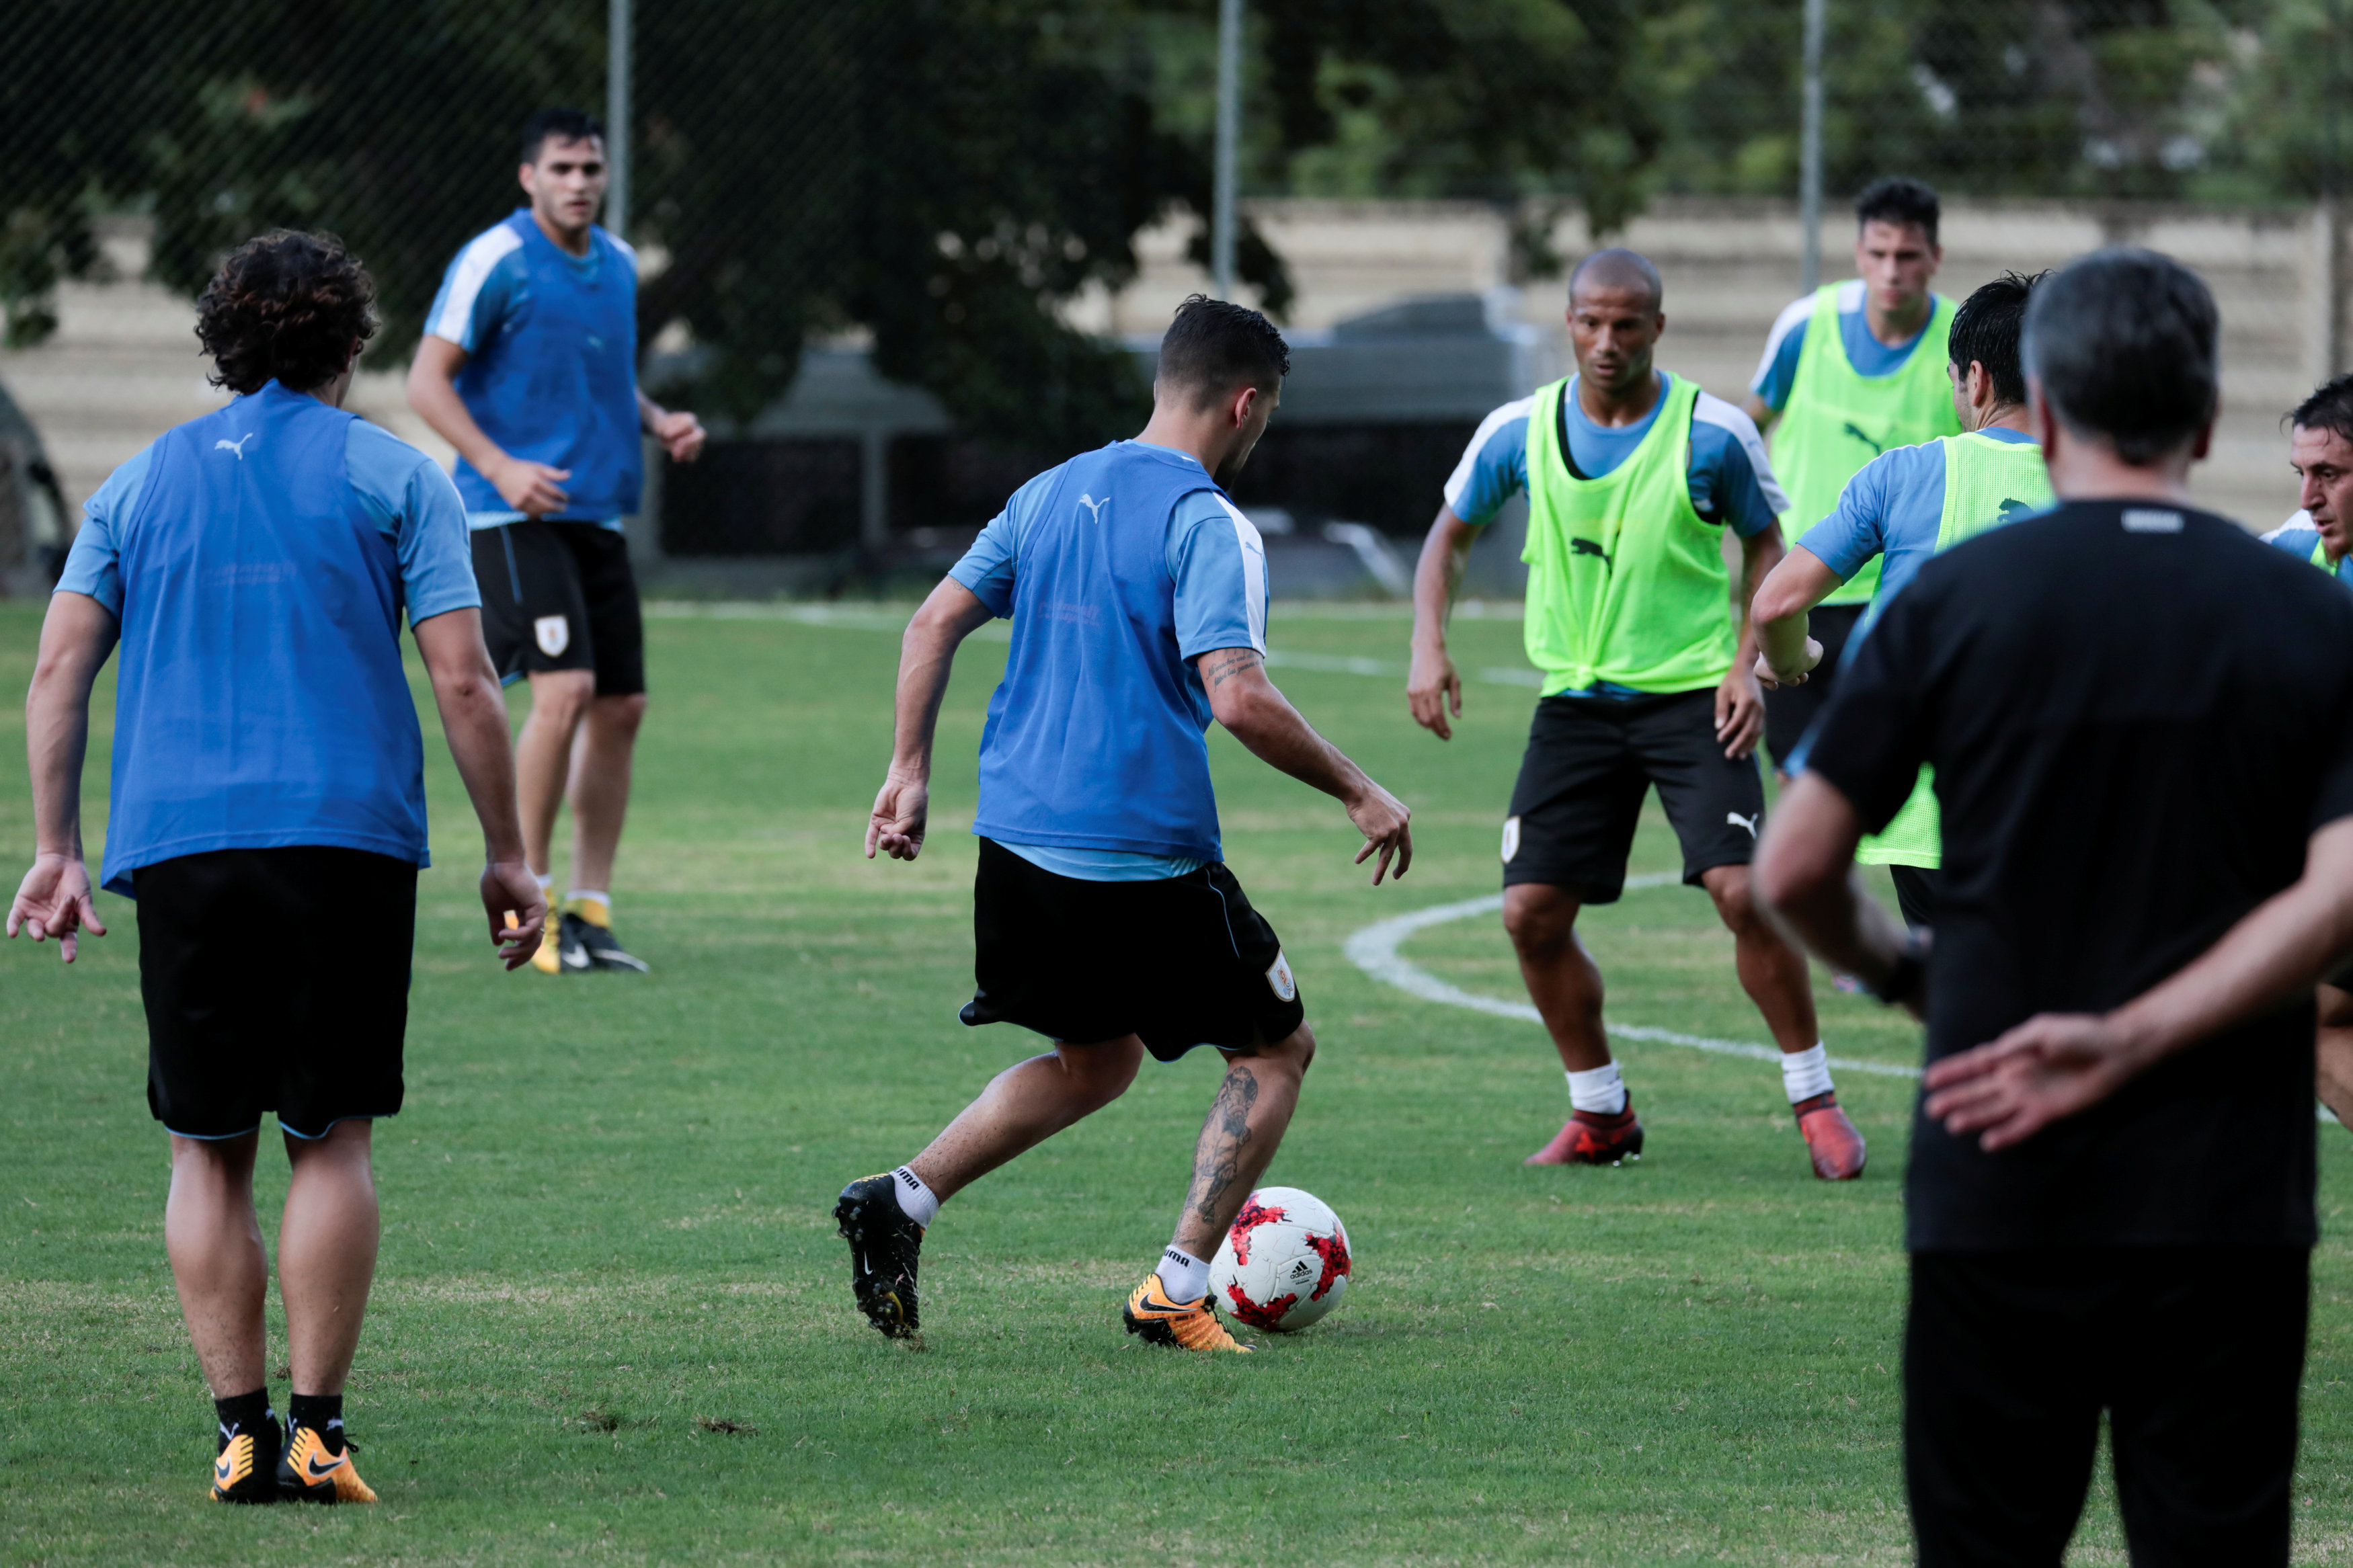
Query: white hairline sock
{"points": [[1805, 1074], [916, 1201], [1601, 1090]]}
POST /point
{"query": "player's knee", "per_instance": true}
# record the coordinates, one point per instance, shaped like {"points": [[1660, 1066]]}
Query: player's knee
{"points": [[1538, 920], [1102, 1073], [1297, 1050], [1735, 904], [622, 715], [562, 695]]}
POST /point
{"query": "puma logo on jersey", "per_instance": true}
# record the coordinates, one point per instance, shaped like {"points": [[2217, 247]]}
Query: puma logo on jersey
{"points": [[1857, 431], [2011, 507], [1093, 506], [1736, 820], [1588, 547], [236, 445]]}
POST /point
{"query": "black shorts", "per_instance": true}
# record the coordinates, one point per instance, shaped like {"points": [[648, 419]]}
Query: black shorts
{"points": [[258, 998], [1181, 962], [1589, 762], [1789, 711], [2196, 1355], [560, 596]]}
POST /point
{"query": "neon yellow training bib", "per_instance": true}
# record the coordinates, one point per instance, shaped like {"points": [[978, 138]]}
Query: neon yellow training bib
{"points": [[1626, 581], [1838, 419], [1987, 483]]}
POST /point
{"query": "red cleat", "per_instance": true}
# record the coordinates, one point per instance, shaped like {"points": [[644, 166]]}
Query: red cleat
{"points": [[1837, 1148], [1591, 1137]]}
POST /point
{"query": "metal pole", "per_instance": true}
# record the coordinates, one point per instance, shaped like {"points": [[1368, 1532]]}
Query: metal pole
{"points": [[1810, 150], [616, 118], [1229, 115], [2331, 213]]}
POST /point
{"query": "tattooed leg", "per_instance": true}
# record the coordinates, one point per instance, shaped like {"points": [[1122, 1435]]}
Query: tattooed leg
{"points": [[1239, 1139]]}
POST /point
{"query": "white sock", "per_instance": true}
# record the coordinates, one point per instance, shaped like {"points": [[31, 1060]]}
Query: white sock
{"points": [[1806, 1074], [1184, 1277], [916, 1201], [546, 886], [1601, 1090], [577, 894]]}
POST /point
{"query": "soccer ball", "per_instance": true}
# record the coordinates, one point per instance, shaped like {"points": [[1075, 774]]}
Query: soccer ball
{"points": [[1284, 1264]]}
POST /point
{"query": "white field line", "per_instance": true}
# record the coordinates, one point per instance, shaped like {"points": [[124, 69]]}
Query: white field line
{"points": [[1374, 950], [866, 618]]}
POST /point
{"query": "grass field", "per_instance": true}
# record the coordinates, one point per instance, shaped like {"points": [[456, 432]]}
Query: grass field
{"points": [[612, 1321]]}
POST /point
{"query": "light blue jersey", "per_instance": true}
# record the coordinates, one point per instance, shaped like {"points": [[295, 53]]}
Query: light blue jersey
{"points": [[1091, 643], [2300, 539], [1892, 508], [260, 700], [551, 341], [1777, 373]]}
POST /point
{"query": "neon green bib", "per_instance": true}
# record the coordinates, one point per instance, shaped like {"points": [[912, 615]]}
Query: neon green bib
{"points": [[1838, 419], [1626, 582], [1986, 482], [2320, 559]]}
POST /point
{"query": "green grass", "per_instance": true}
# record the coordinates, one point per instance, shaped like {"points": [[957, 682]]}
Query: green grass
{"points": [[607, 1236]]}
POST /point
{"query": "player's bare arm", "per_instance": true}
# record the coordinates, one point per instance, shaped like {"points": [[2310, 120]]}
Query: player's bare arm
{"points": [[1763, 412], [681, 433], [532, 489], [1803, 877], [927, 658], [54, 899], [473, 711], [1786, 655], [1432, 686], [1739, 701], [2056, 1064], [1246, 702]]}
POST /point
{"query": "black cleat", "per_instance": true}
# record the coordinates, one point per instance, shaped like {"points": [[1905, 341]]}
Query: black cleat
{"points": [[583, 945], [244, 1466], [884, 1244]]}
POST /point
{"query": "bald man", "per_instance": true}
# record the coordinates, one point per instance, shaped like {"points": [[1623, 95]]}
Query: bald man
{"points": [[1640, 629]]}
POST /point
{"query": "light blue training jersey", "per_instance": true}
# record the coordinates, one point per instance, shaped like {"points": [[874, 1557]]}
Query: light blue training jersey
{"points": [[1777, 373], [1217, 563], [2300, 539]]}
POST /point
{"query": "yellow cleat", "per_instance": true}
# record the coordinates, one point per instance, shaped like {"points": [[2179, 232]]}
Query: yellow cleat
{"points": [[238, 1472], [1189, 1325], [308, 1473], [545, 960]]}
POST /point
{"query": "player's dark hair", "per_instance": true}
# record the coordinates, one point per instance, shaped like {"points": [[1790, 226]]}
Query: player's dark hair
{"points": [[1214, 346], [1621, 269], [2330, 407], [564, 124], [1987, 330], [2125, 344], [1899, 201], [285, 307]]}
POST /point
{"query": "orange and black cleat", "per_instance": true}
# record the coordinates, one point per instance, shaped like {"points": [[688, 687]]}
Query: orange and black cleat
{"points": [[1188, 1325], [1591, 1137], [241, 1470], [1837, 1148], [309, 1472]]}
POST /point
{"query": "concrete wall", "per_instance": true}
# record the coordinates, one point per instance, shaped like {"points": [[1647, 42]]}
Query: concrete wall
{"points": [[124, 365]]}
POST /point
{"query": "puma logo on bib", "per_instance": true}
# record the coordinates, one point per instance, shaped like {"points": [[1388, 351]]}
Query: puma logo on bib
{"points": [[1279, 978], [555, 635]]}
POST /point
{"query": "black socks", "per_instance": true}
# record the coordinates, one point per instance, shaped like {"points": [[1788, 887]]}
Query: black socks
{"points": [[322, 1413], [245, 1412]]}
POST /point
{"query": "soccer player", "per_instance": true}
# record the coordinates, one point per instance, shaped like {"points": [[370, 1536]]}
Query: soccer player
{"points": [[1903, 507], [268, 770], [2142, 725], [1835, 399], [2321, 451], [528, 366], [1643, 639], [1104, 915]]}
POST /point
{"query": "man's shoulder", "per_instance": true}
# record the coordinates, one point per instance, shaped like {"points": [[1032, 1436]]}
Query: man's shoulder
{"points": [[488, 248], [1714, 412], [376, 459]]}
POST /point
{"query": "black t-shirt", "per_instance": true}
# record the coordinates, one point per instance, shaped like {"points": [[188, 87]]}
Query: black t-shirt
{"points": [[2138, 716]]}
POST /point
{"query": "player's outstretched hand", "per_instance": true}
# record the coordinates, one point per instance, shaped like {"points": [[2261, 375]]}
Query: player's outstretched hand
{"points": [[532, 489], [2052, 1066], [901, 810], [1772, 681], [680, 434], [518, 910], [1431, 687], [54, 901], [1739, 713], [1382, 818]]}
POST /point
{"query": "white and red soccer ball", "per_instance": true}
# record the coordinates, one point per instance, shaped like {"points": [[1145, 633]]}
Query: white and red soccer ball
{"points": [[1284, 1264]]}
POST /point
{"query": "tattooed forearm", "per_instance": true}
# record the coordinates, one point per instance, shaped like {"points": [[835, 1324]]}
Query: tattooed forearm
{"points": [[1219, 1159], [1231, 662]]}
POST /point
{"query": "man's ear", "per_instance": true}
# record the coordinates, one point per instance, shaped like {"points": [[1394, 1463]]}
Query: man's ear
{"points": [[1238, 412]]}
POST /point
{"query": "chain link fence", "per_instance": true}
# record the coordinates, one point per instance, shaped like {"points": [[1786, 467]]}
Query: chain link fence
{"points": [[930, 187]]}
